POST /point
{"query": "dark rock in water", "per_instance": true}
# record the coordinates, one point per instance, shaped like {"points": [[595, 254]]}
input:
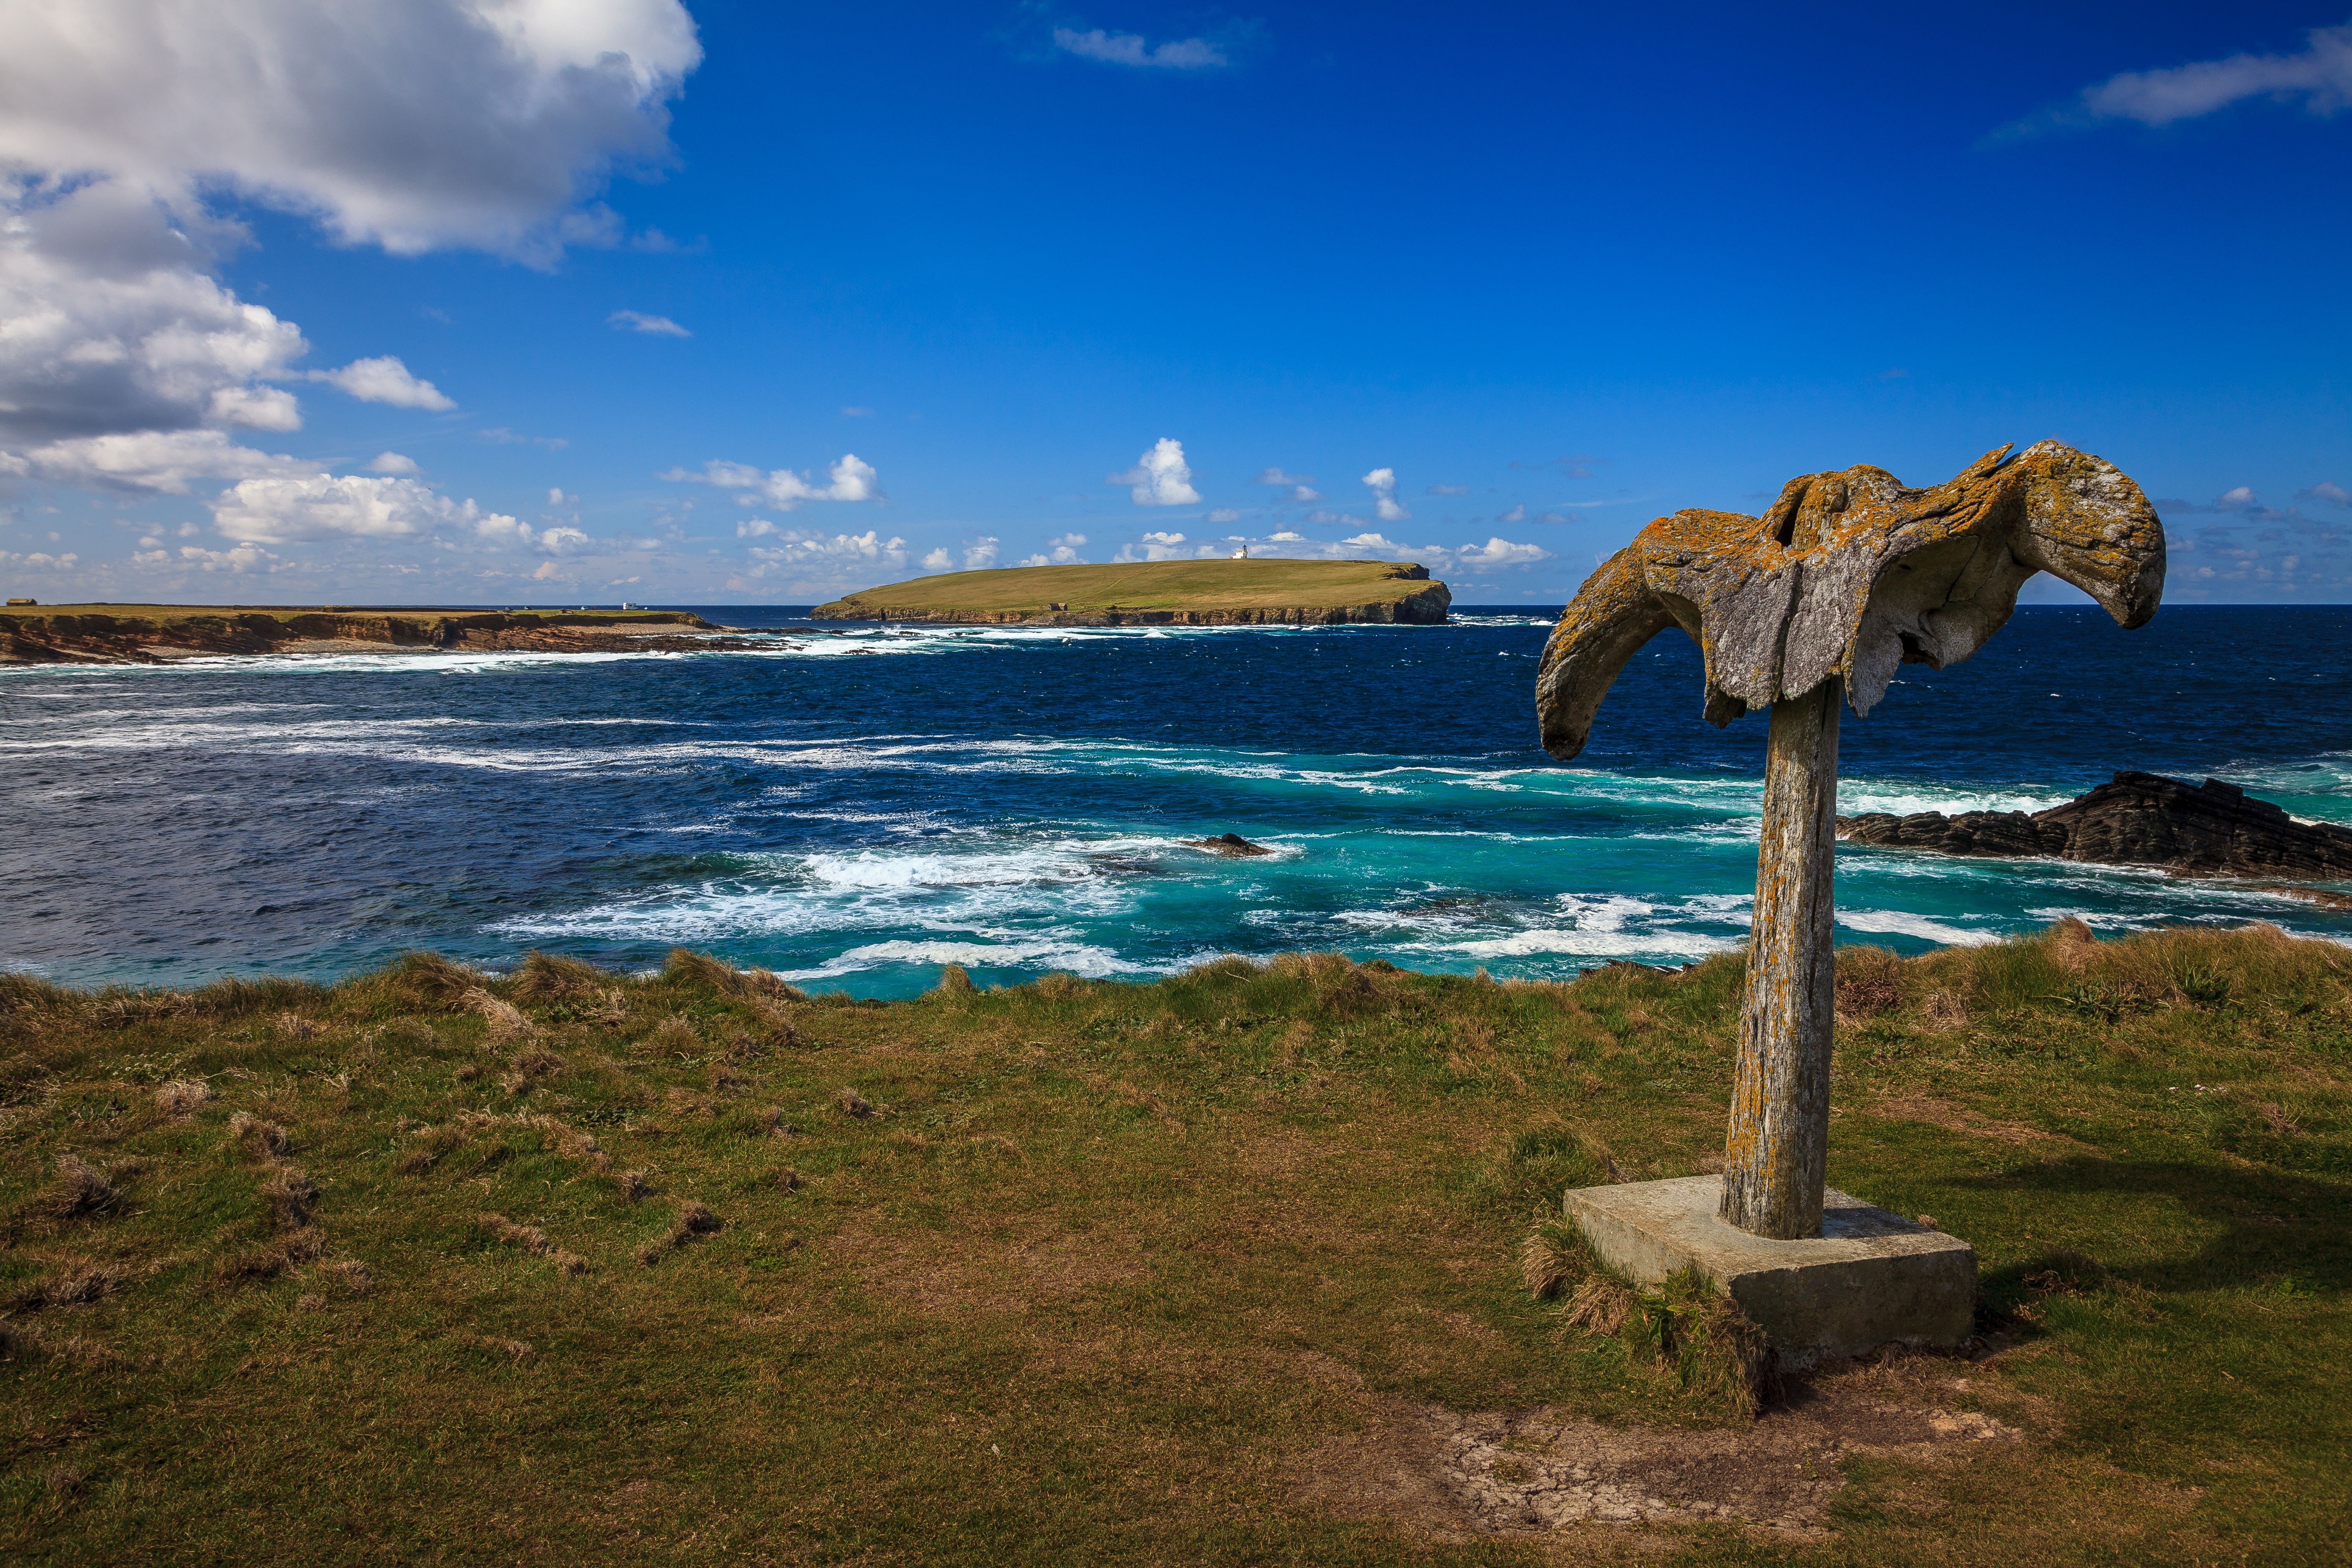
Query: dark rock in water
{"points": [[2212, 829], [1228, 844]]}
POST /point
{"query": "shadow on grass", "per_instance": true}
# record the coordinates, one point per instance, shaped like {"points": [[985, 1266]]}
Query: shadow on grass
{"points": [[2258, 1223]]}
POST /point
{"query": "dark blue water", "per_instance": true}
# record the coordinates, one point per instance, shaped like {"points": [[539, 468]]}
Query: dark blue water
{"points": [[858, 809]]}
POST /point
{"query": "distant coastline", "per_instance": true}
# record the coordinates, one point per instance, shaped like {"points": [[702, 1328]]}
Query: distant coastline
{"points": [[155, 634], [1213, 593]]}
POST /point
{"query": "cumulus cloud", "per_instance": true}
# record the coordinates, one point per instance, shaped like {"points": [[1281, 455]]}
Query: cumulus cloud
{"points": [[161, 462], [413, 124], [981, 554], [1158, 537], [1499, 552], [938, 561], [391, 463], [1160, 477], [1382, 483], [109, 323], [353, 506], [2327, 490], [1133, 50], [2318, 76], [384, 379], [1275, 475], [638, 321], [850, 479], [1517, 514]]}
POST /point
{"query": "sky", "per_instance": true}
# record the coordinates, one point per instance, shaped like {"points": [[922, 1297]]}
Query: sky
{"points": [[541, 302]]}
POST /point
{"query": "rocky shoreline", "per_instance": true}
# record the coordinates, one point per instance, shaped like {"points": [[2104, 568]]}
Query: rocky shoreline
{"points": [[2213, 829], [105, 637], [1425, 607]]}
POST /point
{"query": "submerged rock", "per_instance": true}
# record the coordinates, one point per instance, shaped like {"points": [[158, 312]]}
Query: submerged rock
{"points": [[2213, 829], [1228, 844]]}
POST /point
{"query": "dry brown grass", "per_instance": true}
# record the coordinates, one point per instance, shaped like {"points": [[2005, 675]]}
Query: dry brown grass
{"points": [[529, 1067], [954, 982], [694, 1221], [673, 1037], [532, 1240], [77, 1191], [547, 976], [76, 1287], [180, 1098], [266, 1139], [505, 1021], [854, 1105]]}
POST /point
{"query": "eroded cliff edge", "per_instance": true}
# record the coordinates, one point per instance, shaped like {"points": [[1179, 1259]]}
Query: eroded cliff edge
{"points": [[155, 634]]}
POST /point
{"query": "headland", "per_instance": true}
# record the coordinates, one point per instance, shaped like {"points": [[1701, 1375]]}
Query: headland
{"points": [[155, 634], [1162, 593]]}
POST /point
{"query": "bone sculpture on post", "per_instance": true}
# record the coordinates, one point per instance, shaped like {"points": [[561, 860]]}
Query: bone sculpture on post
{"points": [[1847, 576]]}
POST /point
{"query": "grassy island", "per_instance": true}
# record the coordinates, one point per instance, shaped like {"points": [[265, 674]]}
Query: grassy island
{"points": [[81, 634], [1259, 1263], [1162, 593]]}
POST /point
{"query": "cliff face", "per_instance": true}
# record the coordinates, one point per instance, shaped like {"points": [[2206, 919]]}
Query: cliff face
{"points": [[106, 639], [2213, 829], [1424, 606]]}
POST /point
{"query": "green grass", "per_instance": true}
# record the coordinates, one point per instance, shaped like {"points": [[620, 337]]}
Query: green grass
{"points": [[1120, 1273], [1149, 585]]}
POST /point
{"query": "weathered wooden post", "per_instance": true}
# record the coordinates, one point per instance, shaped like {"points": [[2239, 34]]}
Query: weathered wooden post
{"points": [[1846, 576]]}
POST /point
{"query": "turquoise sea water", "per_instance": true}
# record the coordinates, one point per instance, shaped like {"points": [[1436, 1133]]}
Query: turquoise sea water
{"points": [[856, 808]]}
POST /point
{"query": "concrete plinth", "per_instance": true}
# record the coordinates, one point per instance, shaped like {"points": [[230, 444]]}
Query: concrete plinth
{"points": [[1870, 1279]]}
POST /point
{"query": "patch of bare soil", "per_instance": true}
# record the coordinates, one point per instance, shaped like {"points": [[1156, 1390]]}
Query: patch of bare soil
{"points": [[1517, 1471]]}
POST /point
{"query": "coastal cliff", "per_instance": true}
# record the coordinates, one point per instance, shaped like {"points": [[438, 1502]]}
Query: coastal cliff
{"points": [[2213, 829], [1160, 594], [152, 634]]}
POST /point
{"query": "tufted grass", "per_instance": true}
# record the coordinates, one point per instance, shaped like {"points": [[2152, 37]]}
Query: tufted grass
{"points": [[695, 1266]]}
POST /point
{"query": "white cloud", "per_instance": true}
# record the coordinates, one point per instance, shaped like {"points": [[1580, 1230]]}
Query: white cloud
{"points": [[850, 480], [563, 541], [1305, 493], [1499, 552], [350, 506], [1157, 537], [2319, 75], [938, 561], [1448, 490], [1517, 514], [237, 558], [384, 379], [1132, 49], [109, 324], [1275, 475], [1160, 477], [1224, 514], [1287, 537], [499, 435], [1383, 483], [413, 124], [638, 321], [2327, 490], [1077, 539], [980, 555], [161, 462]]}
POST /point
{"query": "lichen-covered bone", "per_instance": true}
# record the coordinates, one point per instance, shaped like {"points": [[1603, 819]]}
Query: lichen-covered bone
{"points": [[1850, 573]]}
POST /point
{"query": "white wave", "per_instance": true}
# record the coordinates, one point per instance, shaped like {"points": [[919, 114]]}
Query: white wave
{"points": [[1899, 923], [1907, 798], [1049, 952], [1577, 941]]}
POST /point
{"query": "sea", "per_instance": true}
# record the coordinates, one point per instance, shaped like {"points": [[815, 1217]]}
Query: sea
{"points": [[857, 806]]}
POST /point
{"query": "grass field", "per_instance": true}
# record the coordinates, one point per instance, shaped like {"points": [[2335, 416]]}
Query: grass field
{"points": [[573, 1266], [1195, 585]]}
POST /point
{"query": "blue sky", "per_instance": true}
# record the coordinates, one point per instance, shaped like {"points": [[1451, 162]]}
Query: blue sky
{"points": [[520, 300]]}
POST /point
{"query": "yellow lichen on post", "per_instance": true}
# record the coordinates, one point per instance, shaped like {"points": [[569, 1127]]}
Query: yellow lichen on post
{"points": [[1776, 1158]]}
